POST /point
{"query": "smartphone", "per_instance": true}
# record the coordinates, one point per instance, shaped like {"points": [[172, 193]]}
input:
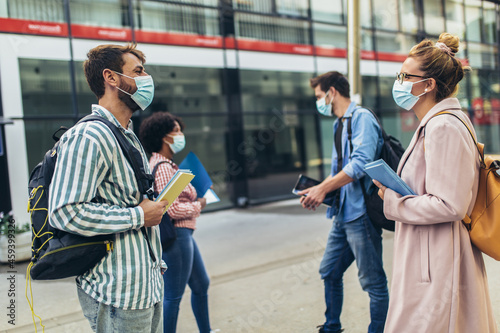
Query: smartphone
{"points": [[304, 182]]}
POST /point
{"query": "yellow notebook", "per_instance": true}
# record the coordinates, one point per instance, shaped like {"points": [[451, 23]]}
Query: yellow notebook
{"points": [[175, 186]]}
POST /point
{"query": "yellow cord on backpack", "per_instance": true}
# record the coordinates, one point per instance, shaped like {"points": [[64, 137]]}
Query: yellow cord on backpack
{"points": [[36, 234], [31, 303]]}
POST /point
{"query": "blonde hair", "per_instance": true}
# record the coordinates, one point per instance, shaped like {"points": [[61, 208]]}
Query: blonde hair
{"points": [[438, 61]]}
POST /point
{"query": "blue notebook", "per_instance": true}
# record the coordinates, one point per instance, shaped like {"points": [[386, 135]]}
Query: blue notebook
{"points": [[202, 181], [379, 170]]}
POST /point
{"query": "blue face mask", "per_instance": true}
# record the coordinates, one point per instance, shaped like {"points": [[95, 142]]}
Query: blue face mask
{"points": [[145, 90], [178, 144], [323, 108], [402, 94]]}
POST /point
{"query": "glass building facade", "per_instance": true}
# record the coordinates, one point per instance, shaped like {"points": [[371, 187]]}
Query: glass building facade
{"points": [[237, 72]]}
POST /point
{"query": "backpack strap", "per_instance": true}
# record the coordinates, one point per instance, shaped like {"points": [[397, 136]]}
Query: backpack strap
{"points": [[349, 138], [158, 164], [466, 220], [349, 128], [133, 155], [479, 150]]}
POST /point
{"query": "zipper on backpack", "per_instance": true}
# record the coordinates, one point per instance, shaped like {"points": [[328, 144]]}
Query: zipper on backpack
{"points": [[109, 247]]}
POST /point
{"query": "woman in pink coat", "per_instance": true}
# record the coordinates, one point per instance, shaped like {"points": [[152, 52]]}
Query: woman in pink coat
{"points": [[439, 282]]}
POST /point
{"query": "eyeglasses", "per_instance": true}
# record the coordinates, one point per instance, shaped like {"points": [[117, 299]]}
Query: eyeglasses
{"points": [[402, 76]]}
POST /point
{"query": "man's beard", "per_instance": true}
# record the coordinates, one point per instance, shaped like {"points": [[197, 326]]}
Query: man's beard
{"points": [[127, 99]]}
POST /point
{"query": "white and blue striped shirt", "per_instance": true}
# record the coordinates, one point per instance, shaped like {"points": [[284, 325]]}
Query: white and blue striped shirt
{"points": [[94, 191]]}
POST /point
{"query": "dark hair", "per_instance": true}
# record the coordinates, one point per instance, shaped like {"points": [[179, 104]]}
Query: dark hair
{"points": [[438, 61], [106, 56], [154, 128], [332, 79]]}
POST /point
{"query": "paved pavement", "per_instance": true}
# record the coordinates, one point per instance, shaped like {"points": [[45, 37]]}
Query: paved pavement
{"points": [[263, 263]]}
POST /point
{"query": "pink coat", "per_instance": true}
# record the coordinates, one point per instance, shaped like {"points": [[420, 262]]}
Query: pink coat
{"points": [[439, 282]]}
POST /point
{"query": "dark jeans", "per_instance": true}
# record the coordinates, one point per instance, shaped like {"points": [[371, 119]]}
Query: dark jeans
{"points": [[356, 240], [185, 266]]}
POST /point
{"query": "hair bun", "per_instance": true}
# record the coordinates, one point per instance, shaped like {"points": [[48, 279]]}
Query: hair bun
{"points": [[450, 40]]}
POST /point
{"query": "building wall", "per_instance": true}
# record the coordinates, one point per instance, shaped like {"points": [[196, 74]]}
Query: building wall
{"points": [[237, 72]]}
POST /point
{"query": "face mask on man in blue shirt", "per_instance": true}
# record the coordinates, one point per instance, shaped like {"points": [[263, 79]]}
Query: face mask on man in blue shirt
{"points": [[323, 108]]}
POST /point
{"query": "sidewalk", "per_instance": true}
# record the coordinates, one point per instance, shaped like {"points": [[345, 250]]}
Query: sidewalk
{"points": [[263, 263]]}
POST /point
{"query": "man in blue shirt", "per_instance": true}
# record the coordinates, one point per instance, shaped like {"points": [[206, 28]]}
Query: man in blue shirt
{"points": [[353, 237]]}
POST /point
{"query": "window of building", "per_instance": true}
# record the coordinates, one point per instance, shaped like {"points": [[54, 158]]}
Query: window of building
{"points": [[280, 138], [365, 13], [272, 29], [107, 13], [278, 147], [394, 43], [482, 56], [385, 14], [187, 90], [455, 17], [490, 22], [163, 16], [45, 87], [39, 10], [292, 7], [260, 6], [433, 17], [473, 20], [407, 16], [330, 35], [328, 11]]}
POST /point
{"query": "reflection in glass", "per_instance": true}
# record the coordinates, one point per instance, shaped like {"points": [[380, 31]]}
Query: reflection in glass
{"points": [[161, 16], [455, 17], [45, 87], [473, 21], [330, 35], [490, 23], [385, 14], [39, 10], [407, 16], [39, 137], [433, 17], [272, 29], [293, 7], [110, 13], [330, 11], [278, 147], [394, 43], [184, 90]]}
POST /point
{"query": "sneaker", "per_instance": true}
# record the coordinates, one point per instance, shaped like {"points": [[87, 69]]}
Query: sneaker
{"points": [[322, 330], [215, 330]]}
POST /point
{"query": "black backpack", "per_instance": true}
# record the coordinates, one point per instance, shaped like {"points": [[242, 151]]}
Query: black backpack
{"points": [[57, 254], [391, 153]]}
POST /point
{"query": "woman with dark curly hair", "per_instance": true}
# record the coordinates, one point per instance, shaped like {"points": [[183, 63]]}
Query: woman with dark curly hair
{"points": [[162, 137]]}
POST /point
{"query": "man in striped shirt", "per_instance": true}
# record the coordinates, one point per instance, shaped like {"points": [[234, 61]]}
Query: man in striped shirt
{"points": [[94, 191]]}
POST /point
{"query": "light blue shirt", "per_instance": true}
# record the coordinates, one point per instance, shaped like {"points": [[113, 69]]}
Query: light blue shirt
{"points": [[367, 143]]}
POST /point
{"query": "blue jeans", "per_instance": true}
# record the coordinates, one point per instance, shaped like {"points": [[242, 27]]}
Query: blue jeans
{"points": [[108, 319], [356, 240], [185, 266]]}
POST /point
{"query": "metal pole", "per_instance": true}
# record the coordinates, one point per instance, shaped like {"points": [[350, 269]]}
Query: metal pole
{"points": [[354, 49], [71, 60]]}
